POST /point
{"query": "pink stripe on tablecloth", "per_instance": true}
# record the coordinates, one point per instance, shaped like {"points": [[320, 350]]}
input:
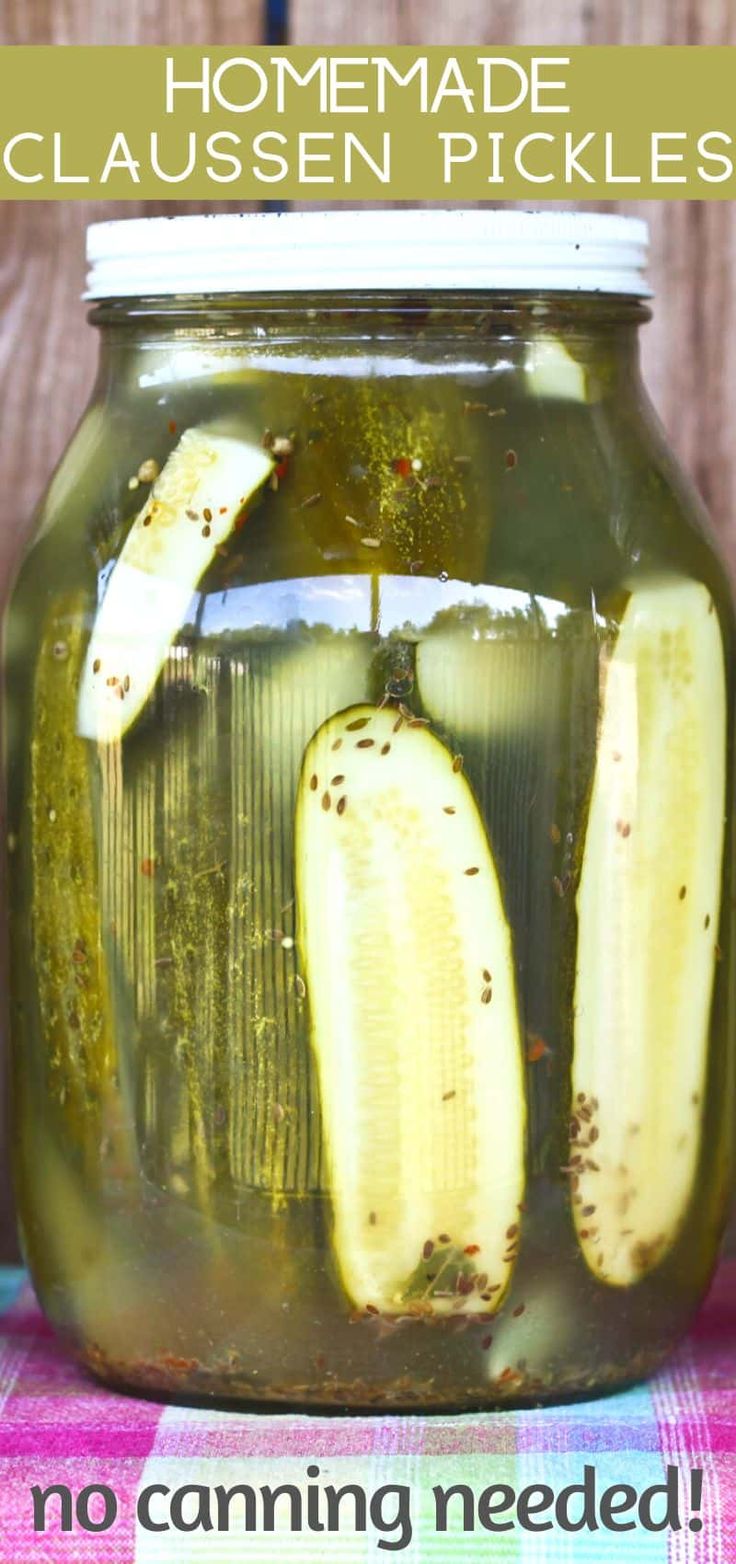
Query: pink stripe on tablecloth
{"points": [[59, 1427]]}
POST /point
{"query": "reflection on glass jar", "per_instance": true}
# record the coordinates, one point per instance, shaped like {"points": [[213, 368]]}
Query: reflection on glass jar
{"points": [[369, 714]]}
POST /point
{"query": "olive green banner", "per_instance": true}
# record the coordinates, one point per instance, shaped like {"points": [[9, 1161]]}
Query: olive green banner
{"points": [[370, 124]]}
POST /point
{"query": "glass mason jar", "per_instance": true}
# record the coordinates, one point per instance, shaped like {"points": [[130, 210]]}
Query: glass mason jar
{"points": [[369, 738]]}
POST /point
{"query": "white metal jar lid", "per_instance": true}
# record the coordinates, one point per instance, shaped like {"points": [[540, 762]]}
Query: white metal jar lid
{"points": [[380, 251]]}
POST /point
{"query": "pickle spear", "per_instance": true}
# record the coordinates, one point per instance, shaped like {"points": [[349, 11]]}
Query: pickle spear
{"points": [[410, 978], [192, 508], [67, 945], [648, 906]]}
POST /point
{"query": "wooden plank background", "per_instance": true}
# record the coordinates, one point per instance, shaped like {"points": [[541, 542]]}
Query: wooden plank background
{"points": [[47, 354]]}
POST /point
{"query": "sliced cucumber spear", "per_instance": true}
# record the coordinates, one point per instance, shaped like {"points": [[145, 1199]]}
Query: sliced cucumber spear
{"points": [[192, 508], [648, 908], [410, 976]]}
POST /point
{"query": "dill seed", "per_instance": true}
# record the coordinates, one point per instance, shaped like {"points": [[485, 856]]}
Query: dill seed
{"points": [[593, 1134], [206, 530], [300, 986], [444, 1238], [446, 1096], [335, 782], [588, 1210], [314, 782], [372, 1218], [365, 743], [342, 804], [448, 810], [457, 764], [419, 722], [96, 665], [520, 1307], [326, 801], [512, 1230], [337, 744], [472, 871], [706, 924], [682, 893], [428, 1250], [370, 1308], [399, 723], [385, 749], [486, 975], [358, 722], [192, 514], [486, 995]]}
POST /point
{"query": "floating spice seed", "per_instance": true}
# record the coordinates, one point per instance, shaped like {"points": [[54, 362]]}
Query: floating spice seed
{"points": [[365, 743], [192, 514], [447, 1096], [473, 870], [172, 426], [96, 666], [464, 1285], [511, 459], [372, 1218], [335, 781], [536, 1048], [448, 809], [486, 995], [593, 1134], [342, 804], [419, 722], [326, 800], [444, 1238], [385, 749], [314, 782], [370, 1308], [682, 893], [358, 722], [428, 1250], [512, 1230], [399, 723], [706, 924], [337, 745], [312, 499], [457, 764], [206, 530], [300, 986], [520, 1307], [148, 470]]}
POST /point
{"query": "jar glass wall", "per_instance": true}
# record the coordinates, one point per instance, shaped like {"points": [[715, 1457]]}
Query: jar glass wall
{"points": [[369, 740]]}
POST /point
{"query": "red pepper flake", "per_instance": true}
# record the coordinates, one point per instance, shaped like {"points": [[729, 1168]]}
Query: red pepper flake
{"points": [[402, 466], [511, 459], [148, 867], [223, 510], [172, 426], [536, 1048], [281, 469], [240, 521], [472, 1249], [520, 1307]]}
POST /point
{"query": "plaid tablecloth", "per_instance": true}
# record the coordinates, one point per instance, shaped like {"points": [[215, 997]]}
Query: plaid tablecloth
{"points": [[58, 1427]]}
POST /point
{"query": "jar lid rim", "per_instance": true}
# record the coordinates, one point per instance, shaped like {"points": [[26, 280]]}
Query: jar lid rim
{"points": [[407, 249]]}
